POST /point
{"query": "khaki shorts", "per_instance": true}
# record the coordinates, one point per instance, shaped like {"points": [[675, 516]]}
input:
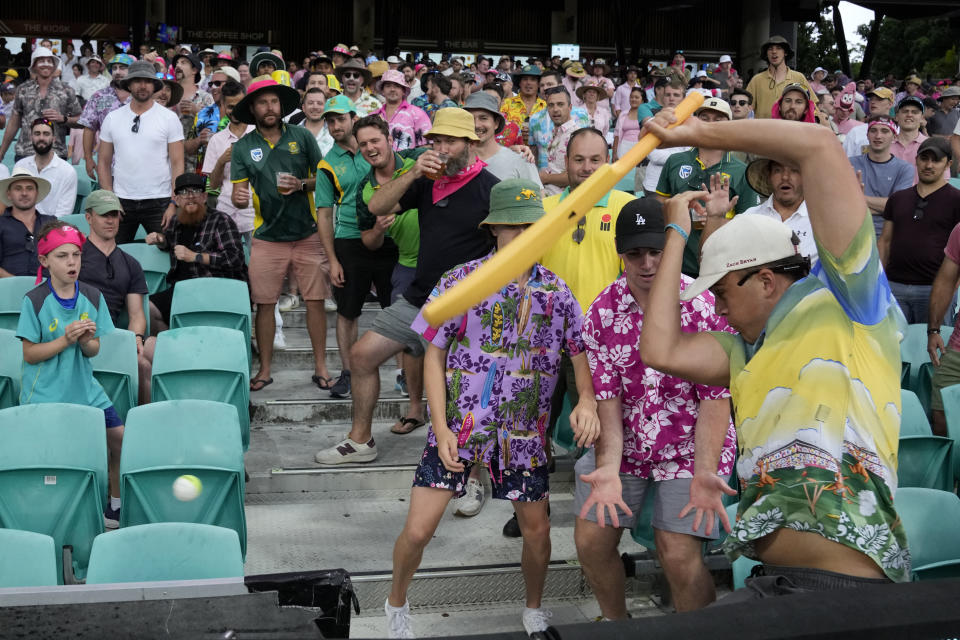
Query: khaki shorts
{"points": [[947, 374], [270, 261]]}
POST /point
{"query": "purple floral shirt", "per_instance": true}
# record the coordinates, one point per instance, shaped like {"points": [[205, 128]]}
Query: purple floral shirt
{"points": [[407, 126], [503, 360], [98, 106], [659, 411]]}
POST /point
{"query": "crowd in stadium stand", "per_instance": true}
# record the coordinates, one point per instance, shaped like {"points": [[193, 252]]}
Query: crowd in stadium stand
{"points": [[805, 219]]}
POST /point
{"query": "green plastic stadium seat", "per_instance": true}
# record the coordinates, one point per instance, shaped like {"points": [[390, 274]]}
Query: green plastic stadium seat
{"points": [[913, 419], [951, 410], [12, 291], [204, 363], [79, 220], [743, 565], [924, 387], [84, 187], [53, 475], [27, 559], [913, 350], [212, 302], [155, 264], [642, 532], [164, 440], [116, 368], [931, 519], [904, 375], [165, 551], [925, 461], [11, 362]]}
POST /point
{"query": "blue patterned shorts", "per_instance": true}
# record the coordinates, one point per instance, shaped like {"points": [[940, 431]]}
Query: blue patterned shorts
{"points": [[516, 485]]}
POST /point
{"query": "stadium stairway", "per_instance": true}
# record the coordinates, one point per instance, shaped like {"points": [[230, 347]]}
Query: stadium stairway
{"points": [[301, 516]]}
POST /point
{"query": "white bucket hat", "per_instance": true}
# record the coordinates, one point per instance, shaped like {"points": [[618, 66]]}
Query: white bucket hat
{"points": [[20, 173]]}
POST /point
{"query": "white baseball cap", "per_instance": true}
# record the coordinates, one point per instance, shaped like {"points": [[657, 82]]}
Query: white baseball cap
{"points": [[744, 242], [725, 58], [716, 104], [701, 74]]}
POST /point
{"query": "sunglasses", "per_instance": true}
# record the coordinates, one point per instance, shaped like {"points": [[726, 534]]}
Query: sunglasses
{"points": [[190, 191], [918, 211], [739, 103], [581, 231], [136, 124], [352, 74], [216, 83]]}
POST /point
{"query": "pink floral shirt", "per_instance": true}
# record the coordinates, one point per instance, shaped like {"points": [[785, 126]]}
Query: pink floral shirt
{"points": [[659, 411]]}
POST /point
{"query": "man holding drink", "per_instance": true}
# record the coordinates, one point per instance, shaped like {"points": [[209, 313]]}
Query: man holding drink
{"points": [[278, 162]]}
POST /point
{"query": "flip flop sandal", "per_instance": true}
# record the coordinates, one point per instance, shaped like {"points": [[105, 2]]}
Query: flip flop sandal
{"points": [[259, 383], [322, 383], [406, 425]]}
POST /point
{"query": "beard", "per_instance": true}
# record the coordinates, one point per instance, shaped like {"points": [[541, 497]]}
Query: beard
{"points": [[456, 164], [42, 148], [192, 217]]}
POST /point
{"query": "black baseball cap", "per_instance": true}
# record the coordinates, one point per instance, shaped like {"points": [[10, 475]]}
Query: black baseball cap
{"points": [[189, 180], [938, 146], [640, 224]]}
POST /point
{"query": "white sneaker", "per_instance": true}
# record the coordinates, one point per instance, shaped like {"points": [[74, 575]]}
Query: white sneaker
{"points": [[348, 451], [535, 620], [398, 621], [279, 342], [471, 502], [288, 302], [330, 305]]}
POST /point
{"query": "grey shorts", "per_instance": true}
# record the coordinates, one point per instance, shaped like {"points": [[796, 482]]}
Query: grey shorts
{"points": [[394, 323], [670, 498], [767, 581]]}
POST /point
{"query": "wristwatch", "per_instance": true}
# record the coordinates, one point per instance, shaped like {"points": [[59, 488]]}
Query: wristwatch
{"points": [[932, 331], [198, 257]]}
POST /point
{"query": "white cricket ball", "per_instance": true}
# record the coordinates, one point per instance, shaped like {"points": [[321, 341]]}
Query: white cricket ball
{"points": [[187, 488]]}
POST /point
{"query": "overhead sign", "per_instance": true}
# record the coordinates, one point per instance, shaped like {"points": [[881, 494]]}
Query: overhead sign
{"points": [[54, 29], [192, 34], [571, 51]]}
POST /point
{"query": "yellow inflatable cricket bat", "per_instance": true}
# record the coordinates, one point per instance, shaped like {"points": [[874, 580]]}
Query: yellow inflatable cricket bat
{"points": [[527, 248]]}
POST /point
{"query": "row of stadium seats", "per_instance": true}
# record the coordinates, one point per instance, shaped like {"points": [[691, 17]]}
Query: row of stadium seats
{"points": [[150, 552], [53, 472]]}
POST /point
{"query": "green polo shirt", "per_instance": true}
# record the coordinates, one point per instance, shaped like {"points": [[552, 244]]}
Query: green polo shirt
{"points": [[339, 175], [405, 230], [685, 172], [277, 218]]}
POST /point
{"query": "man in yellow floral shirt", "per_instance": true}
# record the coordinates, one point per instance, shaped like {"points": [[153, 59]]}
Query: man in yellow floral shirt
{"points": [[520, 107]]}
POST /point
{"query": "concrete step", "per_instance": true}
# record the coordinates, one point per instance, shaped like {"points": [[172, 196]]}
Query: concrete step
{"points": [[297, 318], [293, 397], [299, 350]]}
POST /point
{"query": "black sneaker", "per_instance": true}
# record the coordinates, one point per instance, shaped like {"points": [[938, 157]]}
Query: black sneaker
{"points": [[512, 528], [111, 518], [341, 388]]}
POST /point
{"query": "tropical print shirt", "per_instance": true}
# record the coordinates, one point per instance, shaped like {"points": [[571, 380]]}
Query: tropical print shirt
{"points": [[659, 410], [817, 404], [515, 111], [30, 105], [430, 108], [541, 131], [407, 126], [98, 106], [503, 359], [510, 135]]}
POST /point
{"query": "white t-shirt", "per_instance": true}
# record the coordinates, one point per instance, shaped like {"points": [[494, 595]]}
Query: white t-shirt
{"points": [[141, 161], [63, 185], [799, 222], [87, 86], [657, 158], [855, 142], [506, 164]]}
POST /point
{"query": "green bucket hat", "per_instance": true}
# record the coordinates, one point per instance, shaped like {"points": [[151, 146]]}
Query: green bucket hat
{"points": [[102, 202], [339, 104], [514, 202]]}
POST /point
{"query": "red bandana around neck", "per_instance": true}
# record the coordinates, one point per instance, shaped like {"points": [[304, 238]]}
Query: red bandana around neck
{"points": [[446, 186]]}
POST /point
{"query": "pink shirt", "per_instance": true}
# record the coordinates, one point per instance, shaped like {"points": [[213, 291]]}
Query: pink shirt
{"points": [[627, 129], [952, 251], [216, 146], [659, 411], [908, 153], [407, 126]]}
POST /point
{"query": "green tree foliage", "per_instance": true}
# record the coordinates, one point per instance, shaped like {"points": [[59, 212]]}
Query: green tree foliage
{"points": [[926, 45], [816, 44]]}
